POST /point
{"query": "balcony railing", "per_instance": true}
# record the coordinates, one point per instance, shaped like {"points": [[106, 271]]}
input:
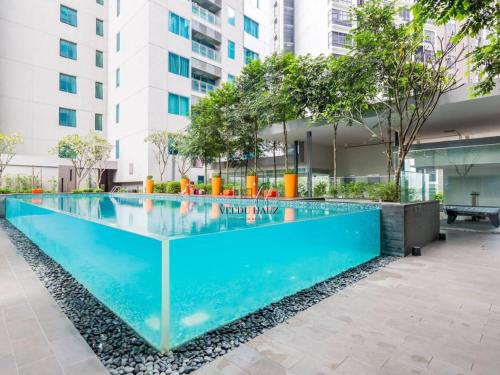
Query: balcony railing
{"points": [[200, 86], [205, 51], [205, 14]]}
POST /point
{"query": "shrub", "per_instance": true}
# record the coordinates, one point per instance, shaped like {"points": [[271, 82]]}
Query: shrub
{"points": [[319, 189], [86, 191], [173, 187], [160, 187], [385, 192], [439, 197], [206, 187], [5, 191]]}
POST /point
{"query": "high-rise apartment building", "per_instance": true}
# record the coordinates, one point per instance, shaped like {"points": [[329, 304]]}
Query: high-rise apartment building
{"points": [[124, 68]]}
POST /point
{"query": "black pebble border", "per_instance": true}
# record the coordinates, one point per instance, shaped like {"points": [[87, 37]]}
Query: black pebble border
{"points": [[122, 351]]}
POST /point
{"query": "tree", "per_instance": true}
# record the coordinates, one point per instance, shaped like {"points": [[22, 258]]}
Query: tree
{"points": [[202, 134], [410, 76], [82, 152], [181, 145], [101, 152], [8, 146], [281, 94], [474, 17], [249, 111], [336, 90], [161, 141]]}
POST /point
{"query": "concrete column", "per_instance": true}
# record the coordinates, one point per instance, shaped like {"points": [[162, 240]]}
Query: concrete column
{"points": [[309, 163], [296, 156]]}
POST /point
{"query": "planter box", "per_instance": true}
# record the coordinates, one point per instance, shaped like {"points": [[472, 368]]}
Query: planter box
{"points": [[2, 205], [404, 226]]}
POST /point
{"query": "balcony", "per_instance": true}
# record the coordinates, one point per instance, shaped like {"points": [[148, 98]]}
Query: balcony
{"points": [[205, 34], [211, 5], [205, 69], [205, 51], [205, 14], [201, 87]]}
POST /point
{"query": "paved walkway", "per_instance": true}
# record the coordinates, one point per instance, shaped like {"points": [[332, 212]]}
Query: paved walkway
{"points": [[435, 314], [36, 338]]}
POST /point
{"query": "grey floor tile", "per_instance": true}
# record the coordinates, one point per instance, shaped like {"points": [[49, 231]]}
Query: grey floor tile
{"points": [[46, 366], [8, 365], [32, 349], [90, 366], [71, 350]]}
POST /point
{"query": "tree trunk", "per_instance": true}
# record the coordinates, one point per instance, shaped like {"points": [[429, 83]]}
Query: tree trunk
{"points": [[206, 173], [285, 139], [397, 177], [389, 145], [227, 169], [255, 146], [335, 127], [274, 165], [220, 166]]}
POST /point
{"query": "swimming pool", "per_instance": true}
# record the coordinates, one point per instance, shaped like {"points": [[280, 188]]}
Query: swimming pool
{"points": [[174, 268]]}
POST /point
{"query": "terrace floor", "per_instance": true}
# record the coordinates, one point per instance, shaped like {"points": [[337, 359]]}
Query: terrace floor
{"points": [[435, 314], [36, 338]]}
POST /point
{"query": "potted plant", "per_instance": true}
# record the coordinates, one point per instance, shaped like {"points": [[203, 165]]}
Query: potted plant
{"points": [[150, 184], [291, 179], [184, 183], [216, 184], [252, 183]]}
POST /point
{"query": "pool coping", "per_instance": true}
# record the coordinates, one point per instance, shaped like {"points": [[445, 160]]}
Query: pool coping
{"points": [[120, 348]]}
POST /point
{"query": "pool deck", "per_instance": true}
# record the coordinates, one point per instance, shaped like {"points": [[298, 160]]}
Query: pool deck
{"points": [[36, 338], [435, 314]]}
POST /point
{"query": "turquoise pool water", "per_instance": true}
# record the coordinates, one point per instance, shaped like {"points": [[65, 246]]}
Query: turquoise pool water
{"points": [[174, 269]]}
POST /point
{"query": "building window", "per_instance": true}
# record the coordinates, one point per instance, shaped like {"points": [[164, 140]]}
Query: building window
{"points": [[67, 83], [250, 55], [230, 78], [339, 17], [99, 27], [429, 36], [99, 90], [117, 149], [99, 59], [178, 65], [117, 113], [252, 3], [231, 53], [117, 77], [117, 42], [178, 105], [67, 49], [231, 16], [100, 2], [178, 25], [405, 14], [251, 27], [337, 39], [67, 117], [98, 122], [68, 15], [118, 8]]}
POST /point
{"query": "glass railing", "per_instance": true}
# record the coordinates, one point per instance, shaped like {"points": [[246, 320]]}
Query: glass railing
{"points": [[205, 51], [200, 86], [205, 14]]}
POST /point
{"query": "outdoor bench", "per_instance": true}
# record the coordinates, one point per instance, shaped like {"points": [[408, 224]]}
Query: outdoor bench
{"points": [[492, 213]]}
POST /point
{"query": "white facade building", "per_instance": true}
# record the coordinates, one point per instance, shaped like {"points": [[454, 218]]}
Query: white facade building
{"points": [[124, 68]]}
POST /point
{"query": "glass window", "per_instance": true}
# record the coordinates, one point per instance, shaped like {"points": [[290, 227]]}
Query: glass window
{"points": [[231, 53], [67, 117], [98, 121], [68, 15], [117, 77], [231, 16], [99, 59], [67, 83], [429, 36], [117, 149], [250, 55], [339, 17], [230, 78], [99, 90], [405, 14], [178, 105], [178, 65], [338, 39], [99, 27], [117, 42], [178, 25], [251, 27], [67, 49], [118, 7], [117, 113], [100, 2]]}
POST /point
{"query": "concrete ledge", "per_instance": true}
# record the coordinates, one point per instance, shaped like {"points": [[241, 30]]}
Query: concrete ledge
{"points": [[2, 205]]}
